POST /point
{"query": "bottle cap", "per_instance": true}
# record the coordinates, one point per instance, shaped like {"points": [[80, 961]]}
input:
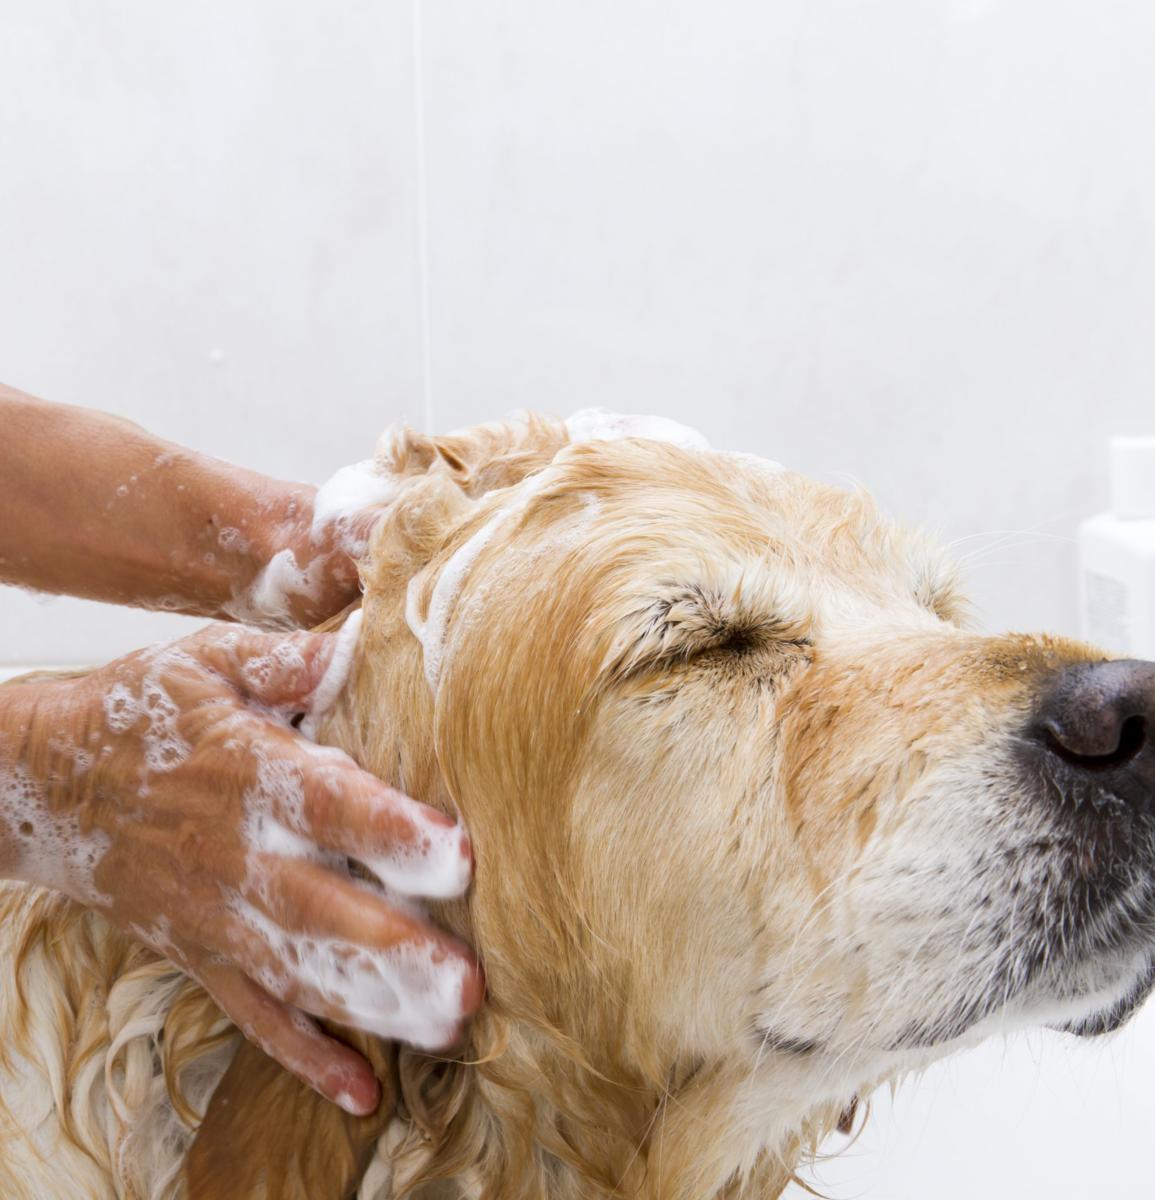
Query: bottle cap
{"points": [[1133, 476]]}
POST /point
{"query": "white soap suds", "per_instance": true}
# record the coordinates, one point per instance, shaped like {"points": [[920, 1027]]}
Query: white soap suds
{"points": [[258, 672], [525, 559], [344, 1100], [336, 675], [164, 747], [437, 867], [434, 863], [336, 504], [279, 790], [350, 491], [275, 821], [412, 992], [121, 709], [267, 602], [233, 540], [50, 847], [600, 425], [68, 751], [431, 631]]}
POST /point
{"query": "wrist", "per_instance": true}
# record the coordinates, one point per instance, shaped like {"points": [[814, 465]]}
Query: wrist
{"points": [[249, 549], [293, 576]]}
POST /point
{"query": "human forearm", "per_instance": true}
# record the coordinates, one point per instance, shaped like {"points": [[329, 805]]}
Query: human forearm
{"points": [[92, 505]]}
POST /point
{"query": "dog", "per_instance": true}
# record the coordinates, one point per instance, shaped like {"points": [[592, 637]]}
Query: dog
{"points": [[760, 823]]}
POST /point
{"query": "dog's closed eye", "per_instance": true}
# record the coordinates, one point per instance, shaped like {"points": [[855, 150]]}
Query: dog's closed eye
{"points": [[679, 622]]}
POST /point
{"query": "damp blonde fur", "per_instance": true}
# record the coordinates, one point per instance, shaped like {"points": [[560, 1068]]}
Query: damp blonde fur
{"points": [[702, 719]]}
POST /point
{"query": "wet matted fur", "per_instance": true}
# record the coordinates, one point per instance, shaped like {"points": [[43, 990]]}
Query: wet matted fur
{"points": [[751, 834]]}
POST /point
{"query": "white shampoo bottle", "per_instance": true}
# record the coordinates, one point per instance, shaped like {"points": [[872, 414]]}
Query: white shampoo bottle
{"points": [[1117, 556]]}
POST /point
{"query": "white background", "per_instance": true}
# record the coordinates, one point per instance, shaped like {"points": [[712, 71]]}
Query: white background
{"points": [[907, 242]]}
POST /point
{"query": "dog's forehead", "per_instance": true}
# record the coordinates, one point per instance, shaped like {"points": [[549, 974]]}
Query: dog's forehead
{"points": [[711, 518], [740, 500]]}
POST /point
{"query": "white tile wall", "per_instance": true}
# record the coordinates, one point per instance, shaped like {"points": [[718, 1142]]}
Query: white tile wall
{"points": [[906, 242]]}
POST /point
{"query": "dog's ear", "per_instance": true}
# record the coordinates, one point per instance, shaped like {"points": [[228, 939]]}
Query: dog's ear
{"points": [[478, 459], [439, 480], [266, 1136]]}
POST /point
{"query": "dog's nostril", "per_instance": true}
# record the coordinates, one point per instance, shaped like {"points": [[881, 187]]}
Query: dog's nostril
{"points": [[1098, 719], [1129, 744]]}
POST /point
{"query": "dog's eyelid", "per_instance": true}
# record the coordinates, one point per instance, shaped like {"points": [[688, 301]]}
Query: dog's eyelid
{"points": [[768, 633], [735, 609], [802, 642]]}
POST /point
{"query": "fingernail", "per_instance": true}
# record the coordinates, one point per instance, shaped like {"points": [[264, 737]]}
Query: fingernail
{"points": [[356, 1107], [438, 867]]}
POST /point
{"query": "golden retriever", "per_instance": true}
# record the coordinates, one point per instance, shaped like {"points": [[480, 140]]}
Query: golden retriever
{"points": [[759, 824]]}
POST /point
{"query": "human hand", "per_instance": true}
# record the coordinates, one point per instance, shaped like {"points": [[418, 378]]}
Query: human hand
{"points": [[170, 791], [307, 543]]}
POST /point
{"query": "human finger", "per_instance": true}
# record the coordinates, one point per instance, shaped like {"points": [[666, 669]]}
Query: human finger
{"points": [[339, 950], [278, 670], [412, 848], [287, 1035]]}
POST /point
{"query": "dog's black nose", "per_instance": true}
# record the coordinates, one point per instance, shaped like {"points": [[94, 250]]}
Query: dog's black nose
{"points": [[1099, 718]]}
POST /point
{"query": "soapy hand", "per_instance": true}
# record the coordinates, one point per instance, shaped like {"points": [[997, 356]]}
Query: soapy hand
{"points": [[307, 544], [171, 791]]}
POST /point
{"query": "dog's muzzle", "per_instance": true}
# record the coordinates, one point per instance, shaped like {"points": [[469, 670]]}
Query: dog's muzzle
{"points": [[1090, 746]]}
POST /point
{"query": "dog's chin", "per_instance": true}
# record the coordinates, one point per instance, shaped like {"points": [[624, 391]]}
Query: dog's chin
{"points": [[1116, 1015]]}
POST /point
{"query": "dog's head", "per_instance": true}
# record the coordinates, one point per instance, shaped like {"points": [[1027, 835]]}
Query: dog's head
{"points": [[758, 819]]}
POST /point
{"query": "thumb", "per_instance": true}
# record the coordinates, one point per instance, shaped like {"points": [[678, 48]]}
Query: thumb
{"points": [[300, 671]]}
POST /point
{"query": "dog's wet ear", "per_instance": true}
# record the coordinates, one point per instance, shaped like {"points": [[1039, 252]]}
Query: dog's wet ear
{"points": [[479, 459], [266, 1136], [441, 478]]}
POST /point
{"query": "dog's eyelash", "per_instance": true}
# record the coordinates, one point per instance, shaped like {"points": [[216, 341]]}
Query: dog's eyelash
{"points": [[757, 637]]}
